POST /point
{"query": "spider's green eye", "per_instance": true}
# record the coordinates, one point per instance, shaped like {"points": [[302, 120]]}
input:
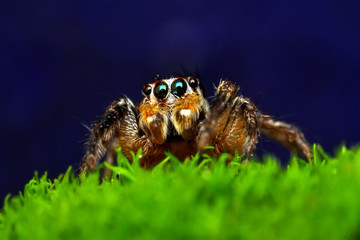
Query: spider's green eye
{"points": [[147, 89], [193, 82], [161, 89], [178, 87]]}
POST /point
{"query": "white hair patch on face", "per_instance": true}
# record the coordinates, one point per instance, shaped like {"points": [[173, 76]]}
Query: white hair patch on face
{"points": [[150, 119], [185, 112]]}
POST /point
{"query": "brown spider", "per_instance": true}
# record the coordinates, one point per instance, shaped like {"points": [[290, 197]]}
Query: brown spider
{"points": [[175, 116]]}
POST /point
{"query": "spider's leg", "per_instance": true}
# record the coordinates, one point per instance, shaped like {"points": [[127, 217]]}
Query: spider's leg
{"points": [[111, 156], [240, 131], [120, 114], [232, 123], [251, 125], [286, 134], [219, 112]]}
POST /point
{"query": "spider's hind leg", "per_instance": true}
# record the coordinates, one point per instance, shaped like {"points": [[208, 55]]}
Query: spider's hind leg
{"points": [[286, 134]]}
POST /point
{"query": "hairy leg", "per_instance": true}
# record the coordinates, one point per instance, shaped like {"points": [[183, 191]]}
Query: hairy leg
{"points": [[111, 156], [241, 131], [219, 113], [286, 134], [119, 117], [232, 123]]}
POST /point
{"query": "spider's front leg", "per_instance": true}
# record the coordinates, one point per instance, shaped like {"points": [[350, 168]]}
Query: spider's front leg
{"points": [[286, 134], [232, 123], [118, 121]]}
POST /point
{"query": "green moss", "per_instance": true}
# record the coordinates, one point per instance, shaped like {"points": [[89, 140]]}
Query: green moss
{"points": [[191, 200]]}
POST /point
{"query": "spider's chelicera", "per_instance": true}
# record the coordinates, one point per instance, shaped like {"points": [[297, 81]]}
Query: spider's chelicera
{"points": [[175, 116]]}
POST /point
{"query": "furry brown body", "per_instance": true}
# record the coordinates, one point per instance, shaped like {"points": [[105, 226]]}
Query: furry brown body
{"points": [[174, 116]]}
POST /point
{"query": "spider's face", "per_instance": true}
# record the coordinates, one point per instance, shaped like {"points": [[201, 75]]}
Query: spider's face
{"points": [[174, 104]]}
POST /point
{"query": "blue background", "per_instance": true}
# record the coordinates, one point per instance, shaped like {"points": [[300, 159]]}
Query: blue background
{"points": [[63, 62]]}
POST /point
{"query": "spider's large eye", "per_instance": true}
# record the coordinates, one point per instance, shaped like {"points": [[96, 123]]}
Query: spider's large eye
{"points": [[147, 89], [193, 82], [161, 89], [178, 87]]}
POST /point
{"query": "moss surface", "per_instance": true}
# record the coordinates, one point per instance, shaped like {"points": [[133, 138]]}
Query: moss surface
{"points": [[191, 200]]}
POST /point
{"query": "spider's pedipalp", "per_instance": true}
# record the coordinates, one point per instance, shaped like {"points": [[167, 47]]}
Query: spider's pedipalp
{"points": [[185, 113], [153, 120]]}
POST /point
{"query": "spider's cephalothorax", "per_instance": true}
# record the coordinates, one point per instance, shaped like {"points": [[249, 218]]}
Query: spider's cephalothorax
{"points": [[174, 116]]}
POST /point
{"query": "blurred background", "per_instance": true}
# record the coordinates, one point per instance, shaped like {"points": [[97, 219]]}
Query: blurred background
{"points": [[63, 62]]}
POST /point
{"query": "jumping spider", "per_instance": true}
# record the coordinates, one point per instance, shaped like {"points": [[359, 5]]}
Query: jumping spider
{"points": [[175, 116]]}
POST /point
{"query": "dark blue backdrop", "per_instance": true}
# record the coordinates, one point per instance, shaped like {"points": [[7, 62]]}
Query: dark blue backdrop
{"points": [[61, 61]]}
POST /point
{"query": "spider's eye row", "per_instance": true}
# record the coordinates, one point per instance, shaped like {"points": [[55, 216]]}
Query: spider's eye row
{"points": [[193, 82], [161, 90], [147, 89], [178, 87]]}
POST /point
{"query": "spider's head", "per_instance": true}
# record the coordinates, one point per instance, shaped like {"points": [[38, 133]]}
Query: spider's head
{"points": [[173, 106]]}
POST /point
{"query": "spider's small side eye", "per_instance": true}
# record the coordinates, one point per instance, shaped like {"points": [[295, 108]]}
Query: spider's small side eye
{"points": [[193, 82], [147, 89], [178, 87], [161, 89]]}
